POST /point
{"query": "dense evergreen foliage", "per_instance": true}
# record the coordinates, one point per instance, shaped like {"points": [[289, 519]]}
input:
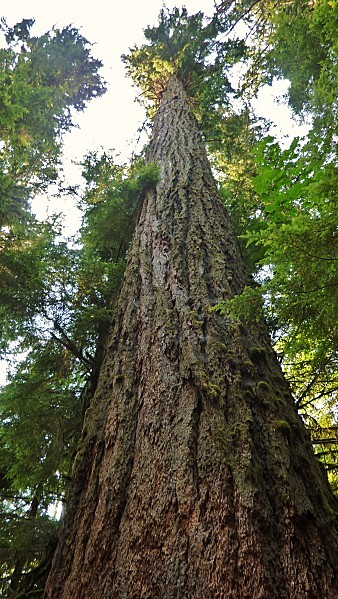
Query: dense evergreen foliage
{"points": [[43, 80], [57, 296]]}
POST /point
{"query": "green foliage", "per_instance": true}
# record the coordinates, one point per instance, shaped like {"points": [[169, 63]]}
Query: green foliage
{"points": [[110, 205], [50, 285], [231, 154], [43, 79], [39, 431], [175, 45], [295, 40], [299, 248], [187, 46], [323, 427], [25, 540], [28, 260], [245, 307], [305, 47], [38, 407]]}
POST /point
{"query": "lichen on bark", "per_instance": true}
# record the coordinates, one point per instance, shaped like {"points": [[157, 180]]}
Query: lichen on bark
{"points": [[186, 484]]}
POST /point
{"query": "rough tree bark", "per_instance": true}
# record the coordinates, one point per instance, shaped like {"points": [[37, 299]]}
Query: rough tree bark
{"points": [[195, 478]]}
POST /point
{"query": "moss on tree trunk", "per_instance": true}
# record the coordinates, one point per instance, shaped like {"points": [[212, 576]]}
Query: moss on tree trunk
{"points": [[195, 477]]}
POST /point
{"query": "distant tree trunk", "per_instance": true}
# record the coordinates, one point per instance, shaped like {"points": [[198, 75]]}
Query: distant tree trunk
{"points": [[196, 478]]}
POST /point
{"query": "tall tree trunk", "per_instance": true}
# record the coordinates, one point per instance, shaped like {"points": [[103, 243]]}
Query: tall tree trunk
{"points": [[196, 478]]}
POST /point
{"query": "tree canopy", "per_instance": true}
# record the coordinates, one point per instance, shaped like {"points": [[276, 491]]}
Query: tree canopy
{"points": [[44, 80]]}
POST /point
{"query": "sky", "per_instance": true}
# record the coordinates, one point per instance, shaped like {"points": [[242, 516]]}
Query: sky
{"points": [[112, 121]]}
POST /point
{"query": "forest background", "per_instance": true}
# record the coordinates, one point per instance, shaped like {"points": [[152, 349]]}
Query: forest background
{"points": [[57, 294]]}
